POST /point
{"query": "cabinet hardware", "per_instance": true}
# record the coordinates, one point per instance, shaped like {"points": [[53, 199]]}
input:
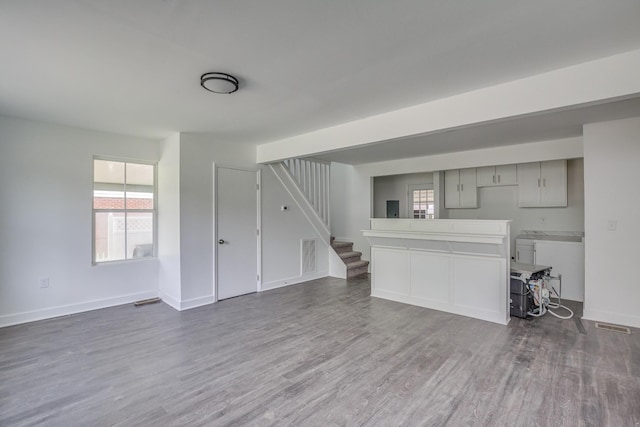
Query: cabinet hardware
{"points": [[494, 179], [461, 187], [458, 187], [544, 182], [498, 179], [538, 182]]}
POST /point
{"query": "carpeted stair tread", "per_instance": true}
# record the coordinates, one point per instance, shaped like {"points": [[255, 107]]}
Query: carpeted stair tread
{"points": [[350, 254], [338, 244], [357, 264]]}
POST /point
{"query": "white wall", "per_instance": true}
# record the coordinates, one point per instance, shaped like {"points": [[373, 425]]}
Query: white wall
{"points": [[282, 232], [341, 200], [198, 152], [502, 203], [169, 283], [612, 287], [396, 187], [46, 185], [359, 178]]}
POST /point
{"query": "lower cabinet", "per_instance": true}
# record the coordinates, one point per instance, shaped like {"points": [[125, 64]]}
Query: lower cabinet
{"points": [[525, 251], [473, 286]]}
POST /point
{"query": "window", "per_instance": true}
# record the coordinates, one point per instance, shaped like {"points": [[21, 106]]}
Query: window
{"points": [[421, 202], [124, 210]]}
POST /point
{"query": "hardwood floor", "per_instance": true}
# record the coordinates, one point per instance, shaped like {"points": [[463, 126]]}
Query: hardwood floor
{"points": [[322, 353]]}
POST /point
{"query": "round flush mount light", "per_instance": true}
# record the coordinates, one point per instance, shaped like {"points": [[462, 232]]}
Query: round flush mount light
{"points": [[219, 82]]}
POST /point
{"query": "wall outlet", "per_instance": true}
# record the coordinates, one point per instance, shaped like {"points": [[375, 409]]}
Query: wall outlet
{"points": [[44, 282], [612, 225]]}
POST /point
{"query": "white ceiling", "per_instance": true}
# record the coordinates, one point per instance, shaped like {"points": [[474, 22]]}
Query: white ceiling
{"points": [[133, 67]]}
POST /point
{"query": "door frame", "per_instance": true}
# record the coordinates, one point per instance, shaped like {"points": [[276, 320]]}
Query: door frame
{"points": [[258, 172]]}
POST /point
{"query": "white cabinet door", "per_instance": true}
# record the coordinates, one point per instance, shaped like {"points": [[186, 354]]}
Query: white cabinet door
{"points": [[553, 187], [486, 176], [490, 176], [542, 184], [528, 184], [506, 175], [468, 188], [524, 251], [452, 189]]}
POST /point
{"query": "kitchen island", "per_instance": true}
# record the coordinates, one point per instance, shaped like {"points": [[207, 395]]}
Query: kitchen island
{"points": [[457, 266]]}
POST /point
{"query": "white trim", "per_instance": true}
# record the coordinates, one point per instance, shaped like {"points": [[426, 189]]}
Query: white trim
{"points": [[186, 304], [170, 300], [215, 233], [196, 302], [257, 171], [65, 310], [293, 280], [286, 179], [610, 317], [125, 210], [259, 228]]}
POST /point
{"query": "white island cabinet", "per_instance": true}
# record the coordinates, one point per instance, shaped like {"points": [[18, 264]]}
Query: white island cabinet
{"points": [[457, 266]]}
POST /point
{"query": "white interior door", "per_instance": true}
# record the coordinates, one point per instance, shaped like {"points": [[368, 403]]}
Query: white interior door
{"points": [[236, 232]]}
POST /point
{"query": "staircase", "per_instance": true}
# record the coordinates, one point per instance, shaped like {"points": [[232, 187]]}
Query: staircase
{"points": [[355, 266], [308, 183]]}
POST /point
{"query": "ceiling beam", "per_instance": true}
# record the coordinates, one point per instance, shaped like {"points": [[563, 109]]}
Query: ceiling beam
{"points": [[589, 83]]}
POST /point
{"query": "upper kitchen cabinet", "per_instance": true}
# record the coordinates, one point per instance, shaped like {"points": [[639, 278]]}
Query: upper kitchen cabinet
{"points": [[542, 184], [497, 175], [460, 189]]}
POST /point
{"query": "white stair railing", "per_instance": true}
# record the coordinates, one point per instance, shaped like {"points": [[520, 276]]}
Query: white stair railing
{"points": [[312, 178]]}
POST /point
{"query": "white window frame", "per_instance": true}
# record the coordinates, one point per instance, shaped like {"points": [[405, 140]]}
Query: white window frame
{"points": [[419, 187], [153, 211]]}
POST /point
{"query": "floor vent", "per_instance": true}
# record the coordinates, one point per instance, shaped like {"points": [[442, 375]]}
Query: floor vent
{"points": [[308, 256], [613, 328], [146, 301]]}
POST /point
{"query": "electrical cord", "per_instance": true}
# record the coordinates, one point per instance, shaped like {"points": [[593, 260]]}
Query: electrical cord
{"points": [[559, 305]]}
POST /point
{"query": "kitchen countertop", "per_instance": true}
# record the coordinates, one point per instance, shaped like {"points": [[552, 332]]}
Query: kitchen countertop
{"points": [[551, 237]]}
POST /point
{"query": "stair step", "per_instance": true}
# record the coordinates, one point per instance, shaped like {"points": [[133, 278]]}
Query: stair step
{"points": [[341, 247], [356, 264], [357, 268], [351, 254]]}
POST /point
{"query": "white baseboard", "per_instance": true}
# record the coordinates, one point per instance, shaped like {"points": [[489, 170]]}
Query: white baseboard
{"points": [[170, 301], [182, 305], [610, 317], [292, 281], [65, 310], [196, 302]]}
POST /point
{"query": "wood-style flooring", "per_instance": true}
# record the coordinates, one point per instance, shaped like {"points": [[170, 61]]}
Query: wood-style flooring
{"points": [[323, 353]]}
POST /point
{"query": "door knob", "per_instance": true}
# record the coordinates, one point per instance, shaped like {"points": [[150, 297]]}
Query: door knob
{"points": [[221, 241]]}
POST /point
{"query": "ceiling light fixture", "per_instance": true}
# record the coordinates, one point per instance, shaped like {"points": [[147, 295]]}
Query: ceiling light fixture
{"points": [[219, 82]]}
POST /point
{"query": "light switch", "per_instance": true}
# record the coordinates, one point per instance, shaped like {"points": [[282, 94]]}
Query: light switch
{"points": [[612, 225]]}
